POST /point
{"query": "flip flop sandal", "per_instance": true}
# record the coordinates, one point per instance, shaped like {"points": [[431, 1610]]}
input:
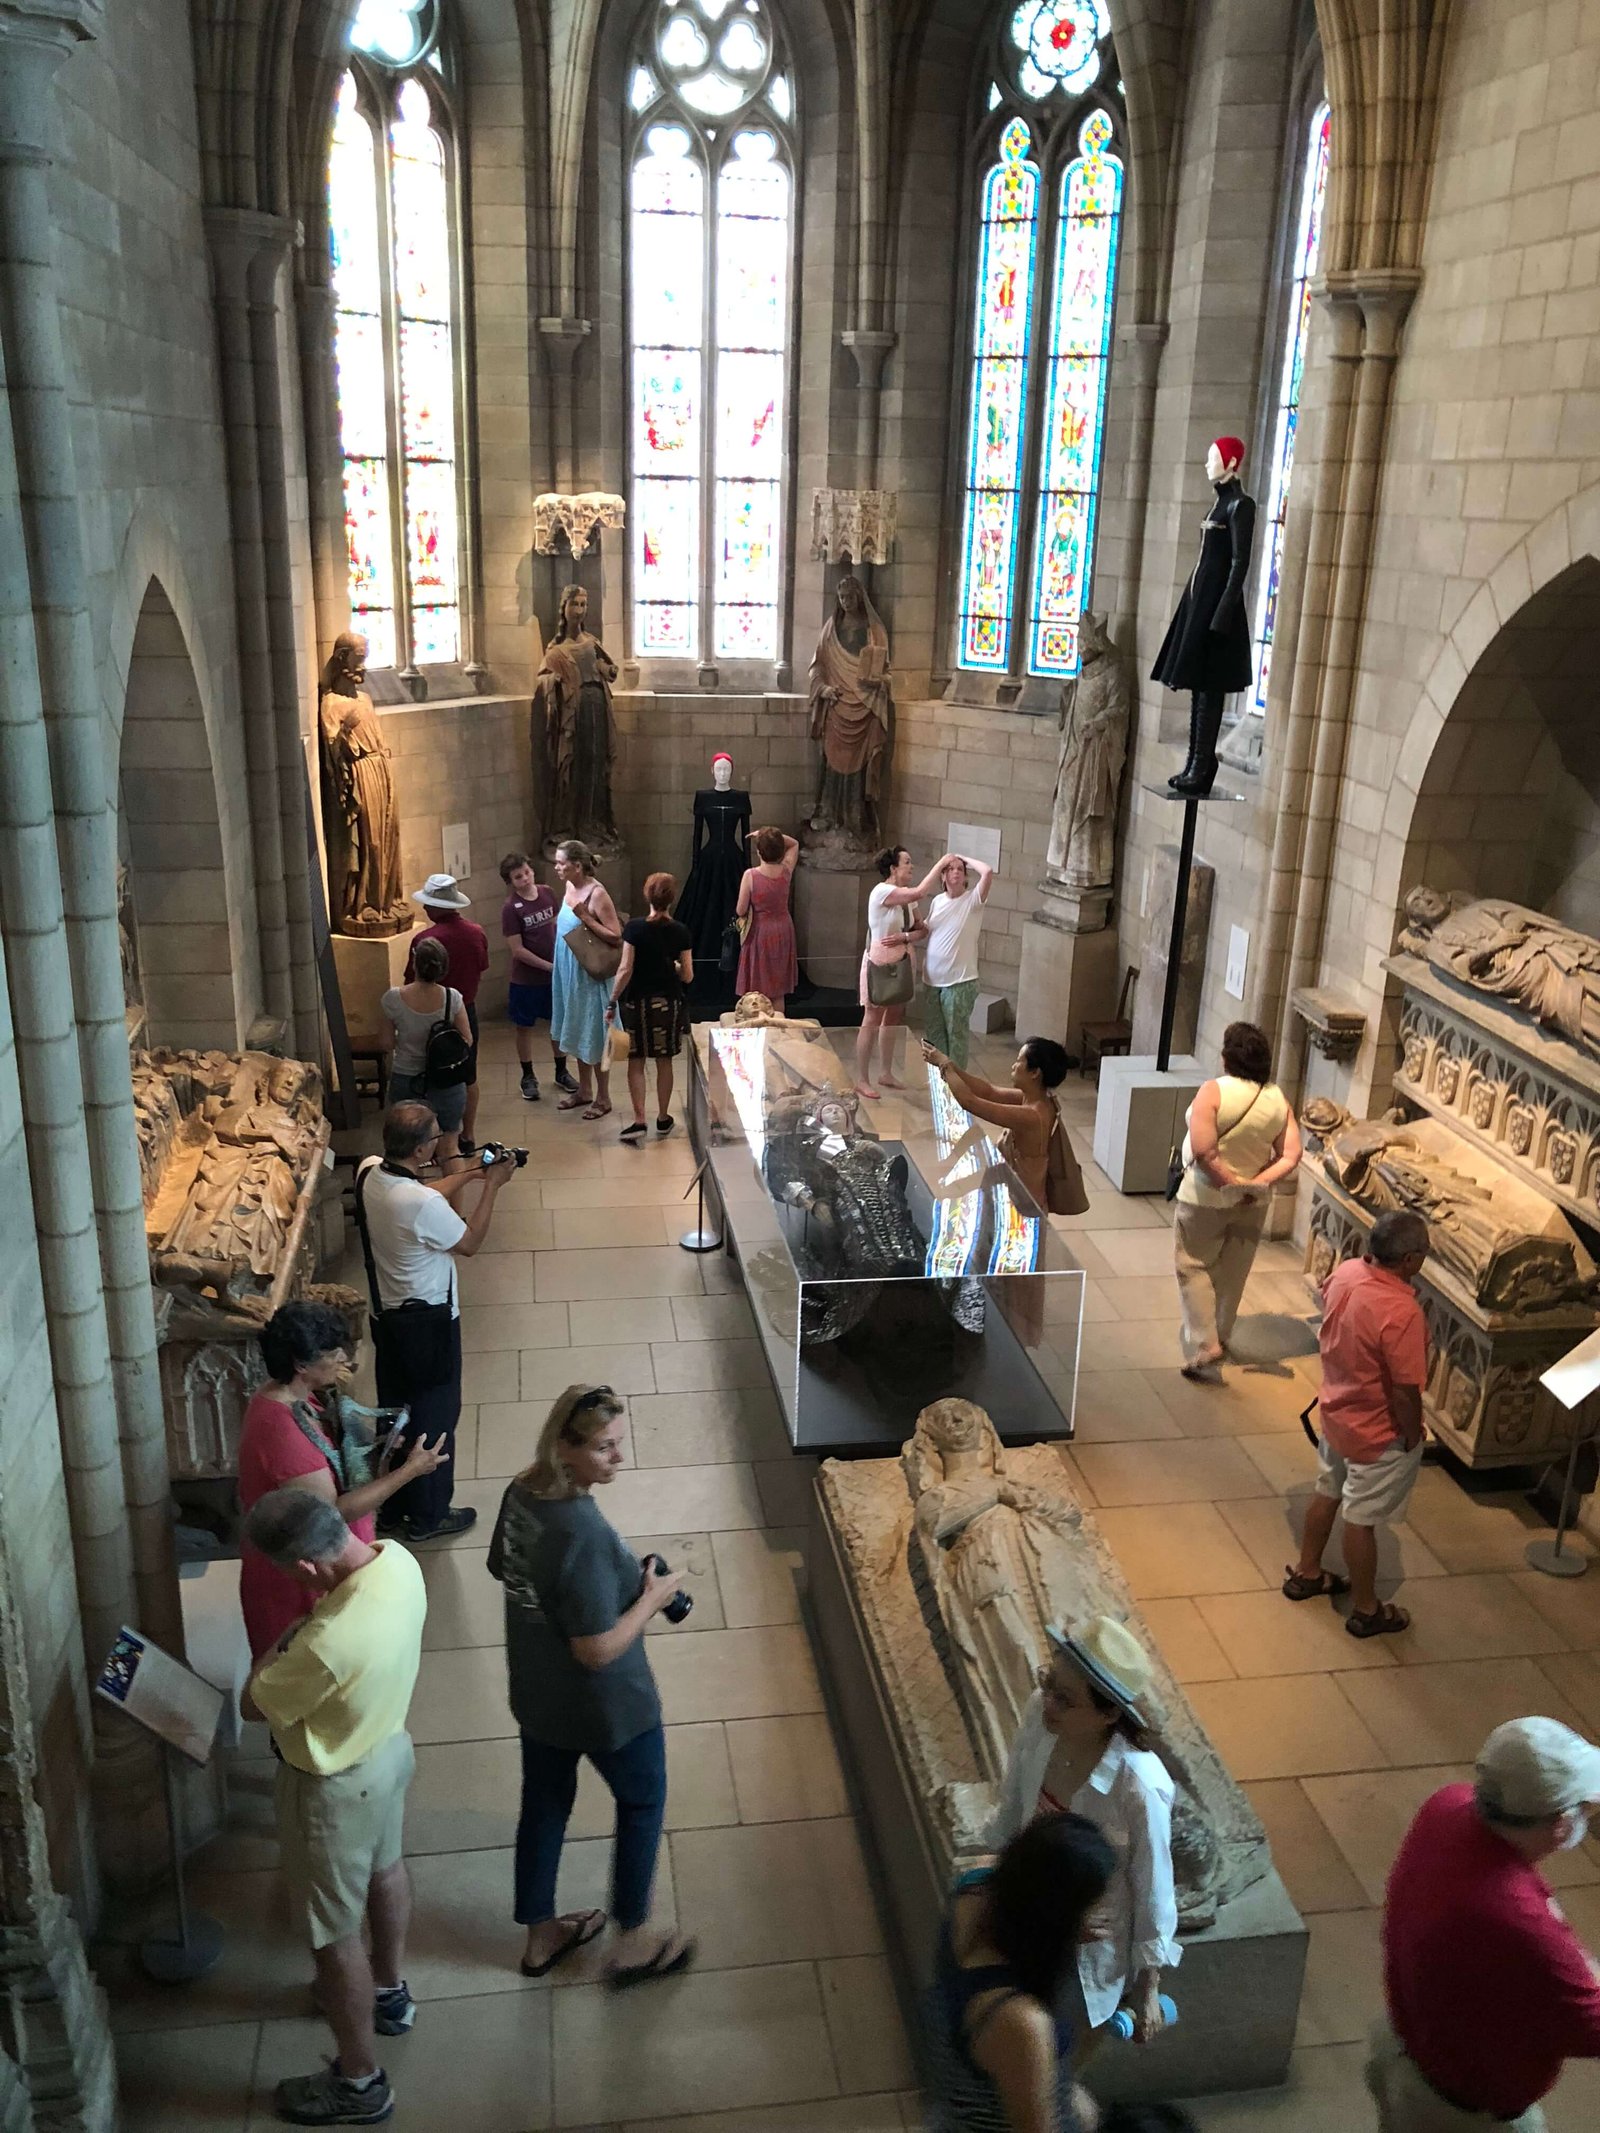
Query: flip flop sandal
{"points": [[661, 1964], [1326, 1585], [1387, 1622], [571, 1103], [598, 1111], [586, 1926]]}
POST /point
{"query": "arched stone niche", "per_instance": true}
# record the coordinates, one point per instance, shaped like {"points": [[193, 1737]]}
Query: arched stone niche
{"points": [[170, 838]]}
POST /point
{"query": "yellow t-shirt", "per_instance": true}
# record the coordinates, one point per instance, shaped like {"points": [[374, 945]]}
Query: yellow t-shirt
{"points": [[344, 1685]]}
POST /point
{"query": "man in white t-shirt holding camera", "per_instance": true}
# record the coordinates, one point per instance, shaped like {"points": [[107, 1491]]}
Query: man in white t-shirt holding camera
{"points": [[950, 961], [414, 1233]]}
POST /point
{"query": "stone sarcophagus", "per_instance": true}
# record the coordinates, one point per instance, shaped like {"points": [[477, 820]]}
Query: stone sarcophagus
{"points": [[933, 1579], [232, 1148]]}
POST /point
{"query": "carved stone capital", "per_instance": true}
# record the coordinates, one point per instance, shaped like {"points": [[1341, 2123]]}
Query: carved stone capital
{"points": [[562, 338], [35, 36], [853, 525], [870, 351], [1335, 1026], [247, 249], [578, 517]]}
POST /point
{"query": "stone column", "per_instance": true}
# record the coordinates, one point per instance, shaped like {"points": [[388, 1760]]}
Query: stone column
{"points": [[1139, 358]]}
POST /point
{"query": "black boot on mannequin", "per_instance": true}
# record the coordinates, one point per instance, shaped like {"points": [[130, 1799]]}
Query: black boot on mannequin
{"points": [[1198, 775]]}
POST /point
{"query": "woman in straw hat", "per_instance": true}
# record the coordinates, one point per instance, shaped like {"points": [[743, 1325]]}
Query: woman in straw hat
{"points": [[578, 1601], [1082, 1747]]}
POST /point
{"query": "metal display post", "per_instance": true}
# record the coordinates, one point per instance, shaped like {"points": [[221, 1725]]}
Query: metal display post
{"points": [[700, 1239], [198, 1946], [1180, 914]]}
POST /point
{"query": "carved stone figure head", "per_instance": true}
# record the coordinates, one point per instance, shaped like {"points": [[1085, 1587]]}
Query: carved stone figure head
{"points": [[851, 595], [574, 612], [1425, 908], [346, 671], [1094, 639], [951, 1427]]}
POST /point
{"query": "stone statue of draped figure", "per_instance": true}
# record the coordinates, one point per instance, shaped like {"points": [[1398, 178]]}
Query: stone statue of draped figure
{"points": [[1095, 709], [1539, 965], [851, 713], [361, 822], [575, 731]]}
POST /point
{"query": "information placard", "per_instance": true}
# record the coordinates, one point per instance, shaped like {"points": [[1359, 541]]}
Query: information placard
{"points": [[161, 1694]]}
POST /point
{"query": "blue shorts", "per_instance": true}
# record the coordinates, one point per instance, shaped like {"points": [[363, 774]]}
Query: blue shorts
{"points": [[528, 1004]]}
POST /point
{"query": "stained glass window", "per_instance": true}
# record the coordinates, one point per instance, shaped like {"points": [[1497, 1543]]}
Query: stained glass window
{"points": [[1049, 215], [710, 209], [1075, 396], [1303, 269], [394, 325], [1002, 318]]}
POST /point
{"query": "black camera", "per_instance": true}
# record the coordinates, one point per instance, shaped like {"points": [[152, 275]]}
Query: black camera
{"points": [[680, 1603], [492, 1152]]}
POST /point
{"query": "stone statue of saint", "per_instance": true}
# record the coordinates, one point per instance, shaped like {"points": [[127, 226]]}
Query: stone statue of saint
{"points": [[360, 819], [987, 1542], [575, 731], [851, 715], [1539, 965], [1095, 710]]}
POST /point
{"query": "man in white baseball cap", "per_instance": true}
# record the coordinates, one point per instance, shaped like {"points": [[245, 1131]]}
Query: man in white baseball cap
{"points": [[1489, 1990]]}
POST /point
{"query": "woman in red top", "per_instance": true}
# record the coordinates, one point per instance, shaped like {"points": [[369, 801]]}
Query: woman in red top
{"points": [[293, 1437], [767, 961]]}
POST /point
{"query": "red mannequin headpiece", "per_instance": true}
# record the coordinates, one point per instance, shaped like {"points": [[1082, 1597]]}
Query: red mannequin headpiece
{"points": [[1231, 450], [719, 757]]}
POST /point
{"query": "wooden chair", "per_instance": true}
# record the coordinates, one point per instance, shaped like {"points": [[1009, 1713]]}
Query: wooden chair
{"points": [[1108, 1040]]}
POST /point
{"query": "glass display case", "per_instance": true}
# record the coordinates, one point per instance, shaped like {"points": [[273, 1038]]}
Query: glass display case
{"points": [[891, 1257]]}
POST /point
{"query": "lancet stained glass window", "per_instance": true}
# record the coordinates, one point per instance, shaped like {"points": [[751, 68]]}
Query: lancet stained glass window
{"points": [[1303, 270], [710, 210], [1049, 217], [389, 212]]}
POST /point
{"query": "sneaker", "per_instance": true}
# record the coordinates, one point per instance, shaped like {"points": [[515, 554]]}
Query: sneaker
{"points": [[452, 1523], [465, 1146], [327, 2099], [394, 2011], [530, 1085], [564, 1079], [391, 1525]]}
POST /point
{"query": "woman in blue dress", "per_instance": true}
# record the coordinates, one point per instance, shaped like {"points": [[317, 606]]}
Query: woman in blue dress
{"points": [[578, 1001], [999, 2055]]}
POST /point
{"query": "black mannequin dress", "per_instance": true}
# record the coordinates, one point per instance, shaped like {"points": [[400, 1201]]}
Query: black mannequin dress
{"points": [[1207, 648], [718, 863]]}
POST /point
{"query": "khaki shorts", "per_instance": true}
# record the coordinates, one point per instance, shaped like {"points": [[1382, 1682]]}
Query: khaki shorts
{"points": [[1406, 2104], [1371, 1492], [335, 1833]]}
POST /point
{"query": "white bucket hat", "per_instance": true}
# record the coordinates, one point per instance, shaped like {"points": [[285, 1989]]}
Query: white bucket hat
{"points": [[1113, 1661], [441, 892]]}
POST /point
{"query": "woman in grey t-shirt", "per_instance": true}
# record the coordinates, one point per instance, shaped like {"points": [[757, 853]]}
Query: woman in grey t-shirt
{"points": [[413, 1011], [577, 1605]]}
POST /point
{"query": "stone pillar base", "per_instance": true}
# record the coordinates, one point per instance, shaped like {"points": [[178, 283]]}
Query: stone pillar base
{"points": [[1138, 1115], [830, 922], [1066, 980], [366, 968], [1072, 910]]}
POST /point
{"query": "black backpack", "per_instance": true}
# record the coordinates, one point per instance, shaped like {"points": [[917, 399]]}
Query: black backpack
{"points": [[447, 1055]]}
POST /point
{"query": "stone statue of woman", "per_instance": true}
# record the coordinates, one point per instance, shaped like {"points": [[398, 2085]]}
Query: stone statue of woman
{"points": [[851, 712], [575, 731], [360, 819]]}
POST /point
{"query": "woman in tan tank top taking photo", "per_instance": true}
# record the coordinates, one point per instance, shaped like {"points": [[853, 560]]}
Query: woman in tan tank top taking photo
{"points": [[1241, 1140]]}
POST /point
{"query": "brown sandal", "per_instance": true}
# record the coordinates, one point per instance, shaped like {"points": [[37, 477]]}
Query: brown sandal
{"points": [[1387, 1622], [1326, 1585]]}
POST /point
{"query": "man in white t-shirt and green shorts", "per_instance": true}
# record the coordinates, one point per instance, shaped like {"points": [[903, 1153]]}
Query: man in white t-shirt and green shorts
{"points": [[950, 963]]}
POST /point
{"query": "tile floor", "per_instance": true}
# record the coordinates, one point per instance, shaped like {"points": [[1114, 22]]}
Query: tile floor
{"points": [[789, 2024]]}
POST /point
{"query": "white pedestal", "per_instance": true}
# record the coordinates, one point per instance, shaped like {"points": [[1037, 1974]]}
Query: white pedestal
{"points": [[367, 968], [1138, 1116], [1066, 980], [991, 1013], [830, 922]]}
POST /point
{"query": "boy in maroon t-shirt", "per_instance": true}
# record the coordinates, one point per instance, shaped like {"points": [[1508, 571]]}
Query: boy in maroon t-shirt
{"points": [[528, 921], [467, 946]]}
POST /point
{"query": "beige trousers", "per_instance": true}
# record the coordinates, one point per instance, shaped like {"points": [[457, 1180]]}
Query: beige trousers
{"points": [[1406, 2104], [1214, 1248]]}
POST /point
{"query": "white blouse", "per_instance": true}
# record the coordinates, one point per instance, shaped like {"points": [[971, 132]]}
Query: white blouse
{"points": [[1128, 1796]]}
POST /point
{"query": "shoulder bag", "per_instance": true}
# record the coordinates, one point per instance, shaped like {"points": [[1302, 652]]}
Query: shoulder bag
{"points": [[892, 984], [598, 958], [1064, 1189], [1176, 1166]]}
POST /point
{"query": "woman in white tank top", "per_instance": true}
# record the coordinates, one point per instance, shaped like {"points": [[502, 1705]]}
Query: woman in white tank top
{"points": [[1241, 1140]]}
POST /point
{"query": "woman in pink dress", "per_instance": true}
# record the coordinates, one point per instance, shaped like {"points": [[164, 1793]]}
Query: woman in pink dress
{"points": [[293, 1436], [767, 961]]}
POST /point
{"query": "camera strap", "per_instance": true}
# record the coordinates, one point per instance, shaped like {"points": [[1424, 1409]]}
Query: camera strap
{"points": [[366, 1241]]}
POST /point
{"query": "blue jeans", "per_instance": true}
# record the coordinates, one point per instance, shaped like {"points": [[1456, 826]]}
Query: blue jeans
{"points": [[636, 1774]]}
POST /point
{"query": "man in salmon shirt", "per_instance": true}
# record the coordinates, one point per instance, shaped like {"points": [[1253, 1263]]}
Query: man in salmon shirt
{"points": [[1489, 1991], [1374, 1344]]}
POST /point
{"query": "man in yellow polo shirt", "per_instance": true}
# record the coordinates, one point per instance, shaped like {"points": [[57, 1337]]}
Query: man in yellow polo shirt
{"points": [[335, 1693]]}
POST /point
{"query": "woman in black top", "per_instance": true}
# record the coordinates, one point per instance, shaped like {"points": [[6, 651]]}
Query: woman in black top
{"points": [[578, 1601], [647, 996]]}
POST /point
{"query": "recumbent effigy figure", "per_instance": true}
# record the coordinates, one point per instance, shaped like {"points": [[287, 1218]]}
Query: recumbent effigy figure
{"points": [[1539, 965]]}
